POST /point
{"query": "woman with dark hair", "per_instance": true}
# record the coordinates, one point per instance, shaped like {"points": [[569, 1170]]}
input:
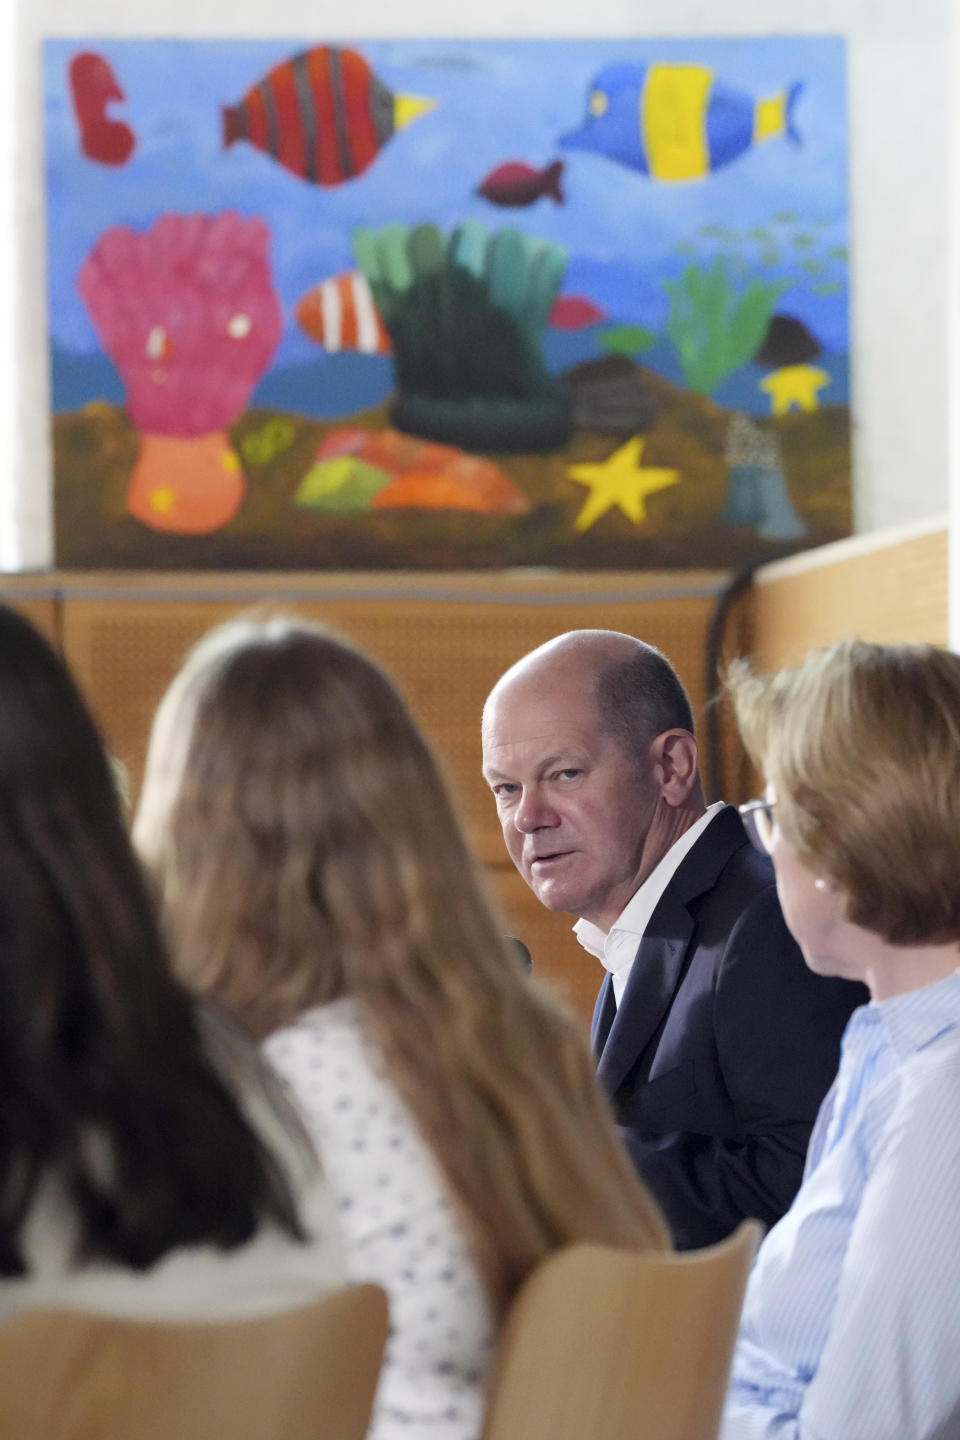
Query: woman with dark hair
{"points": [[318, 884], [131, 1181], [849, 1328]]}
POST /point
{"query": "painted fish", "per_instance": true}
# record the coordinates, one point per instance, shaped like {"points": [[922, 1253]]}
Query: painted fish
{"points": [[574, 312], [323, 114], [92, 86], [678, 122], [516, 183], [340, 314]]}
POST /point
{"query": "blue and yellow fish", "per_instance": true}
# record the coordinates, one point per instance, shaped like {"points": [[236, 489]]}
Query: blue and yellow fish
{"points": [[678, 122]]}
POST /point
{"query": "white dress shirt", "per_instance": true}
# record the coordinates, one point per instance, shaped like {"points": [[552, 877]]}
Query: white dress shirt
{"points": [[617, 949], [852, 1315]]}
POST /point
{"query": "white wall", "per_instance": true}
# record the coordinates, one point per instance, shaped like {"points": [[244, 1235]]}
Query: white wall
{"points": [[953, 320], [898, 65]]}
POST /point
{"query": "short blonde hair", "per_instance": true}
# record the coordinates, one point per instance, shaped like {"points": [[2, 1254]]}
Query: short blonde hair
{"points": [[862, 746]]}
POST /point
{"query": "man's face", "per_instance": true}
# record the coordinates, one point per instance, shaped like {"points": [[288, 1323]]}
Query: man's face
{"points": [[576, 811]]}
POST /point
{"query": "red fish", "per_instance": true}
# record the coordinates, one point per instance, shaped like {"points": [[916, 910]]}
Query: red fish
{"points": [[574, 312], [323, 114], [516, 183], [93, 85]]}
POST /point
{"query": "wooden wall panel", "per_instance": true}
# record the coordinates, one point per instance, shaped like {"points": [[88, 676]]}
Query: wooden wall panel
{"points": [[37, 601], [444, 650], [890, 587], [569, 969]]}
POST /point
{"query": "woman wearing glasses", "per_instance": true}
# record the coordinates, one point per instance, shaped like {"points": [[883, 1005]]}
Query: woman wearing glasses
{"points": [[850, 1325]]}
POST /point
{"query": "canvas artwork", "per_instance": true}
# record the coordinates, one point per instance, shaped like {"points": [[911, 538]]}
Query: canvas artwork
{"points": [[447, 304]]}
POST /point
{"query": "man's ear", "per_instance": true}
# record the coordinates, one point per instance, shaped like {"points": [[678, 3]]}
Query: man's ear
{"points": [[674, 754]]}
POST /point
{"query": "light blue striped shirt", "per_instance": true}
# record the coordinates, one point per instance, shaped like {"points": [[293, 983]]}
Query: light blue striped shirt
{"points": [[851, 1325]]}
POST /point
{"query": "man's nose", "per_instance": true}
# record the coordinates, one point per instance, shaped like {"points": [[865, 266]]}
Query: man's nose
{"points": [[534, 813]]}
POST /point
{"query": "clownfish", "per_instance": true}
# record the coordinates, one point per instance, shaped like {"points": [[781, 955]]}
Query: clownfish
{"points": [[340, 314], [678, 122]]}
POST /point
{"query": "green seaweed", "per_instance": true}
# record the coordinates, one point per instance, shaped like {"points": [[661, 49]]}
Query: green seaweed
{"points": [[465, 312], [626, 339], [714, 328]]}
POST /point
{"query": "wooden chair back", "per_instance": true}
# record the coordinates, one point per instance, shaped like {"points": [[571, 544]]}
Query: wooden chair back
{"points": [[305, 1374], [606, 1344]]}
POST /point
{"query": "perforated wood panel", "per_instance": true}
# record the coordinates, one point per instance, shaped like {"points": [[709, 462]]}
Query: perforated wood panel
{"points": [[570, 970], [37, 602], [889, 588], [444, 642]]}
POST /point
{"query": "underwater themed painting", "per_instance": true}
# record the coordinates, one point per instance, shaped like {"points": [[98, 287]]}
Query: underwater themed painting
{"points": [[447, 304]]}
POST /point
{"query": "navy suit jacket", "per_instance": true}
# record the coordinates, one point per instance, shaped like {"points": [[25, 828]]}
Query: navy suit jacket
{"points": [[724, 1043]]}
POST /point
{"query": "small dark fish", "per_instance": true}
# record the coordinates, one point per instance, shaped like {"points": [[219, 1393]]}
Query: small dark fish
{"points": [[787, 342], [516, 183]]}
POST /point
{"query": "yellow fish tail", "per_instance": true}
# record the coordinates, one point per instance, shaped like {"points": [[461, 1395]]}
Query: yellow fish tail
{"points": [[770, 117]]}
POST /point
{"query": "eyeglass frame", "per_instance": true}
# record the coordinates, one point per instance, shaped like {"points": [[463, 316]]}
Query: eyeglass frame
{"points": [[757, 817]]}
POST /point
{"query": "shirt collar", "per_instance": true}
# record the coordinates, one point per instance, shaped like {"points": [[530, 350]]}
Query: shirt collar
{"points": [[911, 1020], [618, 947]]}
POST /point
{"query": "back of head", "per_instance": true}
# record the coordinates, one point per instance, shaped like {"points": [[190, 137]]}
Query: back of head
{"points": [[295, 820], [98, 1049], [862, 746], [306, 849]]}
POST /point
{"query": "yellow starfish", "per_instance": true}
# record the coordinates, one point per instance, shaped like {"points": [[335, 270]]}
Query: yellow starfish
{"points": [[619, 480], [794, 385]]}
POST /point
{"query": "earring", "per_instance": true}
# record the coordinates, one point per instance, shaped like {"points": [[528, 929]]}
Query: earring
{"points": [[821, 884]]}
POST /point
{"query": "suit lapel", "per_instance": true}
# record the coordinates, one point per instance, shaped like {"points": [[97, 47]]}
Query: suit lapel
{"points": [[662, 955], [604, 1014], [653, 982]]}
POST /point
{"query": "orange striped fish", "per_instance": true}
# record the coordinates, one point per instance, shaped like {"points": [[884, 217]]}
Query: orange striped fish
{"points": [[341, 314], [323, 114]]}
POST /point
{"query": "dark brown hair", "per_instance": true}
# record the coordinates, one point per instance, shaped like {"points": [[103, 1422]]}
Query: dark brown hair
{"points": [[104, 1082]]}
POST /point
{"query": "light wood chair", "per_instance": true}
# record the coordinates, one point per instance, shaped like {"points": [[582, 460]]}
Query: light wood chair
{"points": [[306, 1374], [606, 1344]]}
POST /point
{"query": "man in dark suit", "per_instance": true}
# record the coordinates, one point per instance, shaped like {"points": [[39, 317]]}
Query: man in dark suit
{"points": [[713, 1039]]}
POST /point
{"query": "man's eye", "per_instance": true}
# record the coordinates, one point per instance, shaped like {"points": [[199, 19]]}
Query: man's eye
{"points": [[569, 774], [504, 787]]}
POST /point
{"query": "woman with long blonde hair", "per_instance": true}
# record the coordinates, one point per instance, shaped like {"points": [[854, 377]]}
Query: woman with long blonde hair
{"points": [[316, 881]]}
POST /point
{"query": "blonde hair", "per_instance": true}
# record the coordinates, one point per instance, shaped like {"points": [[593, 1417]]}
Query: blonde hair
{"points": [[862, 746], [305, 848]]}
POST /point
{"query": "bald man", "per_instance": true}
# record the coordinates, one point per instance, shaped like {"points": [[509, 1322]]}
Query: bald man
{"points": [[714, 1041]]}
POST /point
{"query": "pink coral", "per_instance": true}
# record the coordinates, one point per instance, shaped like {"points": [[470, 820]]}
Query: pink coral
{"points": [[187, 312]]}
